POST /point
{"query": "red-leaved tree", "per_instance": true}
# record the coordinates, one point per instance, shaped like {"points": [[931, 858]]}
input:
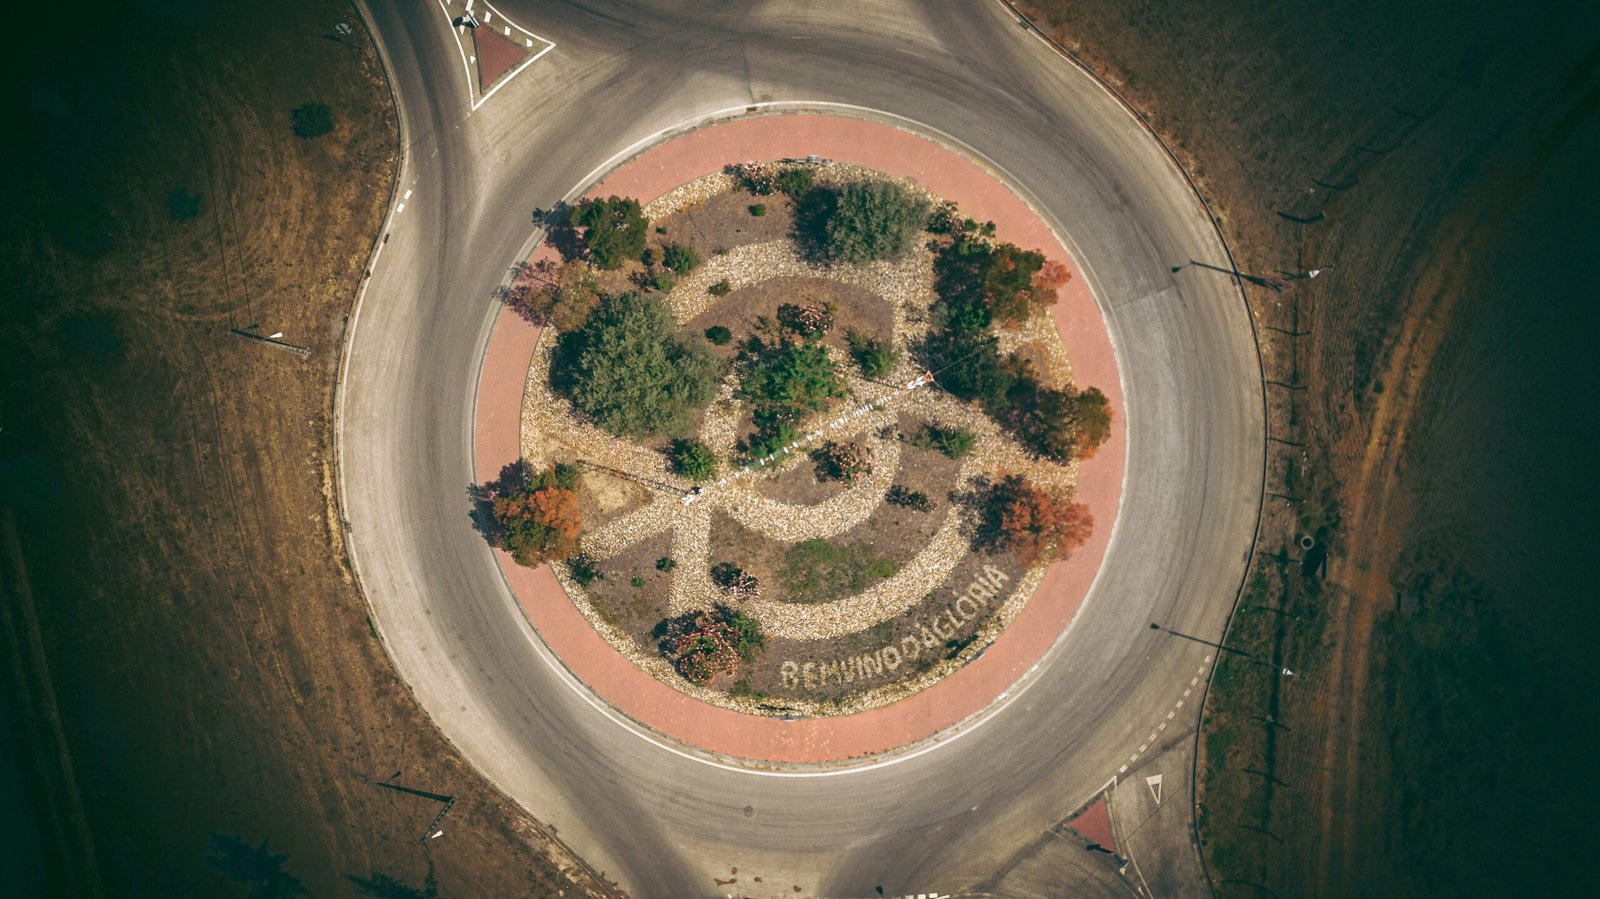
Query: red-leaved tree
{"points": [[1031, 523]]}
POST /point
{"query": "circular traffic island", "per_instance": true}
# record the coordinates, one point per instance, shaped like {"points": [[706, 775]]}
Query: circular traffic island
{"points": [[798, 439]]}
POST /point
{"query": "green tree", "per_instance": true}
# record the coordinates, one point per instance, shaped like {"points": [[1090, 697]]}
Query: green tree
{"points": [[693, 460], [628, 370], [873, 220], [968, 364], [311, 120], [793, 378], [614, 230]]}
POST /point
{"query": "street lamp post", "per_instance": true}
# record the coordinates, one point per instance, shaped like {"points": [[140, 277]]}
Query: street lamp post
{"points": [[1285, 672]]}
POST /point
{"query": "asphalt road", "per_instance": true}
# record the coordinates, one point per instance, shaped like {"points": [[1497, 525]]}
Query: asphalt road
{"points": [[974, 815]]}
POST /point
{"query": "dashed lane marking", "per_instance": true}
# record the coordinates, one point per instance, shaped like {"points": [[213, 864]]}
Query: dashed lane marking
{"points": [[1171, 713]]}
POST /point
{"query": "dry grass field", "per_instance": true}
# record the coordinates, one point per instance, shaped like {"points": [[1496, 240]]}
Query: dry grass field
{"points": [[1430, 427], [187, 653]]}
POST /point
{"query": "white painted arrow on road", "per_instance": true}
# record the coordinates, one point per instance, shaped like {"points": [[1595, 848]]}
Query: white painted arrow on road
{"points": [[1154, 781]]}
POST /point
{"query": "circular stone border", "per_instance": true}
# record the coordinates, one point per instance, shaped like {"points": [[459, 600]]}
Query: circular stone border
{"points": [[960, 696]]}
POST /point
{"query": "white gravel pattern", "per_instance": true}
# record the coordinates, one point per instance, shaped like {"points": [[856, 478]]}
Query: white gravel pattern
{"points": [[551, 431]]}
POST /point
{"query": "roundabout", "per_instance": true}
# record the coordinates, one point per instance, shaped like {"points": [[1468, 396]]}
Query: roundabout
{"points": [[1106, 703], [890, 720]]}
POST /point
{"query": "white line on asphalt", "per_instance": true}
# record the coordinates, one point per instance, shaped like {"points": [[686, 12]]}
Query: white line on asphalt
{"points": [[400, 208], [407, 196]]}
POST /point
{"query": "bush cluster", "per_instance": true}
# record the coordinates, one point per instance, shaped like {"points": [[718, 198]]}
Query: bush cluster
{"points": [[979, 283], [784, 382], [861, 222], [845, 462], [703, 645], [809, 322]]}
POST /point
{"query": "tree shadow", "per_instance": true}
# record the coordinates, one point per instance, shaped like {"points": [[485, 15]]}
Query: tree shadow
{"points": [[560, 232], [254, 867]]}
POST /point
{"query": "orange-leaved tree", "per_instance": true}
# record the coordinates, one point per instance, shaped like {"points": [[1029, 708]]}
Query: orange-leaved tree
{"points": [[540, 520], [1030, 522]]}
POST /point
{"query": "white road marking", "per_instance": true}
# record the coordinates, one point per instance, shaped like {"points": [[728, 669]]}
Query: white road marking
{"points": [[1154, 781], [1170, 714], [400, 208], [407, 196]]}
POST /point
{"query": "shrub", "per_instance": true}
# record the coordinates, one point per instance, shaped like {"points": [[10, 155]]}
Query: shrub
{"points": [[758, 209], [720, 289], [545, 295], [875, 357], [662, 281], [808, 322], [735, 581], [583, 570], [614, 230], [636, 581], [905, 497], [693, 460], [1056, 424], [752, 176], [796, 182], [718, 335], [953, 442], [978, 281], [945, 219], [626, 369], [666, 563], [872, 220], [311, 120], [771, 439], [1029, 522], [681, 258], [703, 645], [845, 462]]}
